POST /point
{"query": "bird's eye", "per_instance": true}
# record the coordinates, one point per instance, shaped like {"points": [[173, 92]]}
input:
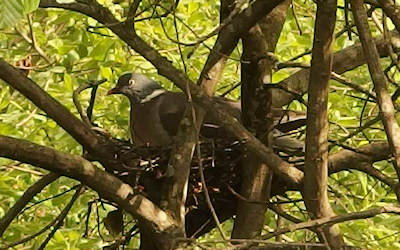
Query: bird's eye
{"points": [[131, 81]]}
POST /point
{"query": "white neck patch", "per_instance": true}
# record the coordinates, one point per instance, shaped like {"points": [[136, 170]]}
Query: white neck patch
{"points": [[153, 95]]}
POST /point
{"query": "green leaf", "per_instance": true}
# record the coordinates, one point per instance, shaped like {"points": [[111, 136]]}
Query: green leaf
{"points": [[68, 82], [193, 6], [106, 72], [58, 236], [100, 52], [11, 12], [30, 5], [58, 69], [4, 98]]}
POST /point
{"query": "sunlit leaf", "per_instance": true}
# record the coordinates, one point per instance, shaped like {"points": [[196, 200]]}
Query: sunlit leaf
{"points": [[11, 11], [30, 5]]}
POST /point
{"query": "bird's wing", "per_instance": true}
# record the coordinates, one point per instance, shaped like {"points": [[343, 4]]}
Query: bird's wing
{"points": [[170, 122], [211, 127], [172, 107]]}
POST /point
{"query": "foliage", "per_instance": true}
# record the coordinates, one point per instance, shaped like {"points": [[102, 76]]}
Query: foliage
{"points": [[12, 11]]}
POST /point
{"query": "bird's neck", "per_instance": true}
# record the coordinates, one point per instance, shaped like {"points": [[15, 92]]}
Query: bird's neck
{"points": [[152, 95]]}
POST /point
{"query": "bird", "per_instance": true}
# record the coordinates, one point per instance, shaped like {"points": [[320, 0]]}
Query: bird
{"points": [[155, 113]]}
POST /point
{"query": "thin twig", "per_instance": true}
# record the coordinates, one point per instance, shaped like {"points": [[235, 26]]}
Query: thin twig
{"points": [[25, 198], [75, 95], [34, 43], [51, 197], [271, 206], [125, 239], [33, 113], [200, 162], [296, 20], [89, 211], [59, 218], [360, 129], [229, 90], [22, 169], [354, 86], [321, 222], [207, 195]]}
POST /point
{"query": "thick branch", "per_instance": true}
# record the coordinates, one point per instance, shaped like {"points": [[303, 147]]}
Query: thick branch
{"points": [[174, 195], [256, 116], [362, 160], [229, 37], [76, 128], [343, 60], [392, 11], [105, 184], [385, 103], [334, 220], [174, 189], [316, 162], [256, 67]]}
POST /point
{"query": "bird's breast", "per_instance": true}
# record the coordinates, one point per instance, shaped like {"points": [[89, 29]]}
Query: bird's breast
{"points": [[146, 127]]}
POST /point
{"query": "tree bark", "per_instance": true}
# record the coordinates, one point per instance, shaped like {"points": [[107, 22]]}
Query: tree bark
{"points": [[257, 117], [385, 102], [392, 11], [73, 166], [316, 161]]}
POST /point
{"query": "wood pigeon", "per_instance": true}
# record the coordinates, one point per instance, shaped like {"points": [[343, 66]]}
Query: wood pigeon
{"points": [[156, 113]]}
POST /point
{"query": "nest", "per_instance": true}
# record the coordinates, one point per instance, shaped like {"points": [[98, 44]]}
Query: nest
{"points": [[145, 169]]}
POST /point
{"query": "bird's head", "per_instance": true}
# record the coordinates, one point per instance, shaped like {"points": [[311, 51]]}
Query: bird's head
{"points": [[138, 88]]}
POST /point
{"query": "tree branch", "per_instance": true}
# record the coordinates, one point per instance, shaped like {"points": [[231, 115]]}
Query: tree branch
{"points": [[56, 222], [385, 103], [95, 145], [62, 216], [362, 160], [334, 220], [257, 116], [52, 107], [107, 185], [343, 60], [229, 36], [316, 161], [25, 199], [392, 11], [327, 221]]}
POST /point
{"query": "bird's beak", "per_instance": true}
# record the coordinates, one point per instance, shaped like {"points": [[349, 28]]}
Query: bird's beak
{"points": [[113, 91]]}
